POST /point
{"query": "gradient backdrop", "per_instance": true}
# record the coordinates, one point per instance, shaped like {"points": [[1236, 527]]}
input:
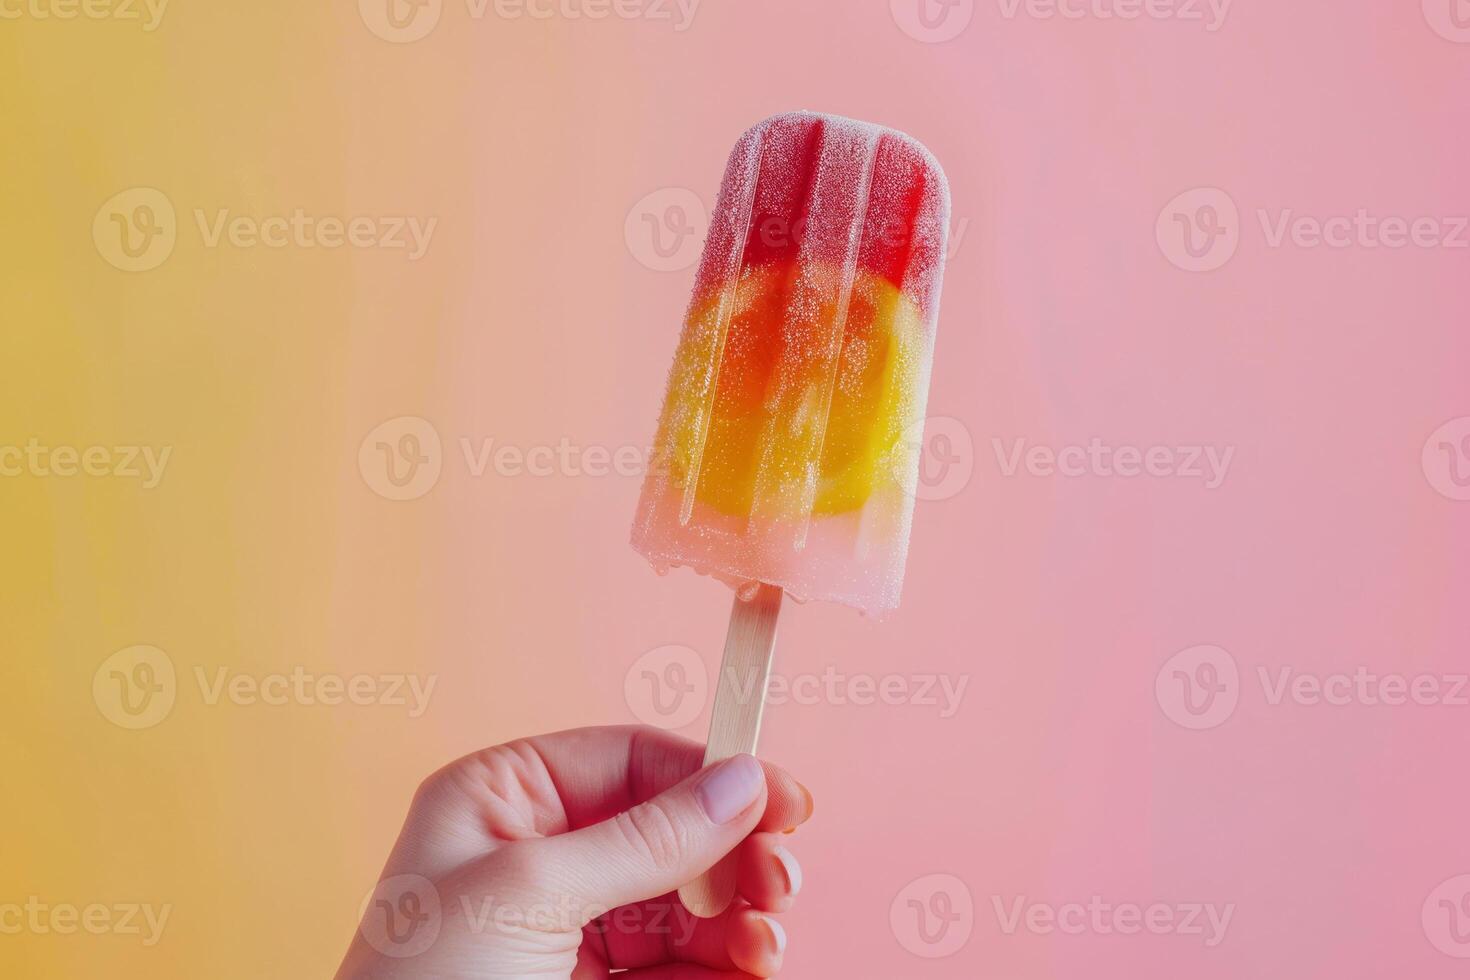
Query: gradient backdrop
{"points": [[1231, 687]]}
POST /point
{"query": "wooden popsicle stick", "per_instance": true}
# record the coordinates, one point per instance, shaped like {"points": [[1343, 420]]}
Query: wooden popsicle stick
{"points": [[740, 698]]}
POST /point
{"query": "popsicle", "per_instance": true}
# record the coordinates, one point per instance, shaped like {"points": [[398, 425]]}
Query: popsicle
{"points": [[788, 447]]}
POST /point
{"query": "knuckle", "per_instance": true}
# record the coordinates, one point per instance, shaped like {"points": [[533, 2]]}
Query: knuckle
{"points": [[655, 835], [489, 770], [430, 789]]}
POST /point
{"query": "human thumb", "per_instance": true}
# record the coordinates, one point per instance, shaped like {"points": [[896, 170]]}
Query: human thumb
{"points": [[663, 843]]}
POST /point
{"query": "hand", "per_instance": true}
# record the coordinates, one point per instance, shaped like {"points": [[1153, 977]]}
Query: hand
{"points": [[557, 856]]}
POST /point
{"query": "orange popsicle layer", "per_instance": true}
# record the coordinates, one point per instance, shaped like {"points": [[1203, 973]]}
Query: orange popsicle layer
{"points": [[867, 388]]}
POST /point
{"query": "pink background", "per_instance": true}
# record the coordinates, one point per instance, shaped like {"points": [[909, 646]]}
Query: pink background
{"points": [[1058, 600]]}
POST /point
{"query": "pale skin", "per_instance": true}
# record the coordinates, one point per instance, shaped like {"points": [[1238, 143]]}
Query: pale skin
{"points": [[558, 856]]}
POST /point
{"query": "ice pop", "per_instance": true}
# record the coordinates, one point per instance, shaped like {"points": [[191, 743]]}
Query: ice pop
{"points": [[781, 455], [788, 447]]}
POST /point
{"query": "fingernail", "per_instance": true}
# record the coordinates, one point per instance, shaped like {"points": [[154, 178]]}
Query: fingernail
{"points": [[729, 788], [791, 869], [778, 934]]}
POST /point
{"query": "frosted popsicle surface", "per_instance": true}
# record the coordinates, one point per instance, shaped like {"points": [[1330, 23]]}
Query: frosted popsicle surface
{"points": [[788, 446]]}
